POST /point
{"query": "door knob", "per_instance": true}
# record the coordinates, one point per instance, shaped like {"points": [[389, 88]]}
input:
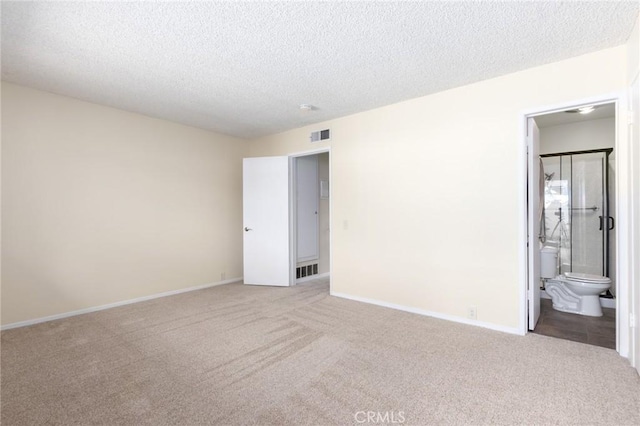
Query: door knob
{"points": [[247, 229]]}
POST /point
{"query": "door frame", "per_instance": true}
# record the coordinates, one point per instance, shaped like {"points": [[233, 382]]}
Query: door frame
{"points": [[623, 199], [293, 237], [533, 223]]}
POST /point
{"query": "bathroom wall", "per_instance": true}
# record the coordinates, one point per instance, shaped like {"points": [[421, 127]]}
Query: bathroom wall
{"points": [[580, 136], [428, 194], [100, 205]]}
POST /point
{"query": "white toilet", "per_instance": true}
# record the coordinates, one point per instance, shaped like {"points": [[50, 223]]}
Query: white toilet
{"points": [[572, 292]]}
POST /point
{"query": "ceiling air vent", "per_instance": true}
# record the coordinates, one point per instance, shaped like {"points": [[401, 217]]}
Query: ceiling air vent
{"points": [[320, 135]]}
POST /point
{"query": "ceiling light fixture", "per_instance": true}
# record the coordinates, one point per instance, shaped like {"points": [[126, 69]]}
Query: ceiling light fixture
{"points": [[582, 110], [306, 108]]}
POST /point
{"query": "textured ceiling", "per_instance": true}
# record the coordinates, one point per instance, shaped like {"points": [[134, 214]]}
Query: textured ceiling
{"points": [[243, 68]]}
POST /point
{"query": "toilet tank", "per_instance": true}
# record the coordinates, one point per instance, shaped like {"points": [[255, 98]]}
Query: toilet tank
{"points": [[548, 262]]}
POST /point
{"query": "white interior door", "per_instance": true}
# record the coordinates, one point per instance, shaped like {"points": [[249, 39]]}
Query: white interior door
{"points": [[265, 186], [534, 214]]}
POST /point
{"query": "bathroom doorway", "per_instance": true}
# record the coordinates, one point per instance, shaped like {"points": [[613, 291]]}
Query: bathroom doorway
{"points": [[574, 202]]}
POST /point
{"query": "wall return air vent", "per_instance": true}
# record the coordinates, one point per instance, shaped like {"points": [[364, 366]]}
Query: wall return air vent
{"points": [[320, 135], [305, 271]]}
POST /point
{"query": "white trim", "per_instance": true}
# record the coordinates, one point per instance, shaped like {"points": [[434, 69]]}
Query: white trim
{"points": [[624, 214], [116, 304], [312, 277], [453, 318], [606, 98], [623, 170], [523, 263], [293, 216], [310, 152], [634, 246]]}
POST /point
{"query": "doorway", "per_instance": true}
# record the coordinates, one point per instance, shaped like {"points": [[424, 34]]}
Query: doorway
{"points": [[571, 199], [286, 215], [311, 204]]}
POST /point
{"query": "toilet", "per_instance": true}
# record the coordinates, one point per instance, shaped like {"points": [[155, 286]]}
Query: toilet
{"points": [[572, 292]]}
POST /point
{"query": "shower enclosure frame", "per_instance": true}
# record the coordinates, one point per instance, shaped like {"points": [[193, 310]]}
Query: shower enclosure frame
{"points": [[605, 224]]}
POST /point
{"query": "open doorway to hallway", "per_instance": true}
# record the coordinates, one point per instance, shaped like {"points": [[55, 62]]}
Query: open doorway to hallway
{"points": [[286, 215], [312, 224]]}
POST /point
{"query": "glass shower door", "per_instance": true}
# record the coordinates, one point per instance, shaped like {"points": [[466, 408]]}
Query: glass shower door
{"points": [[587, 212], [576, 210]]}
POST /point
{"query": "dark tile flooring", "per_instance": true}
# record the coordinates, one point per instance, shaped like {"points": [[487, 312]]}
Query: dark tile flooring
{"points": [[599, 331]]}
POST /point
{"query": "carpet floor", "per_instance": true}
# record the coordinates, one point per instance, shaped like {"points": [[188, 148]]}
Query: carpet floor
{"points": [[245, 355]]}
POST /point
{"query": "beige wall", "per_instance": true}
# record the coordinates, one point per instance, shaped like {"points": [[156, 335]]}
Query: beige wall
{"points": [[102, 205], [427, 193]]}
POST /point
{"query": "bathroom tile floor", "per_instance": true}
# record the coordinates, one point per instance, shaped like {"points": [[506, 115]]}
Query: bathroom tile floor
{"points": [[598, 331]]}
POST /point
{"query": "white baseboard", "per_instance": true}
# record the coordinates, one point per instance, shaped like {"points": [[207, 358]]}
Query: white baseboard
{"points": [[453, 318], [312, 277], [116, 304]]}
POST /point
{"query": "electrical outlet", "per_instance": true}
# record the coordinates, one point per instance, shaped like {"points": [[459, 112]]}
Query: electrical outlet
{"points": [[472, 312]]}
